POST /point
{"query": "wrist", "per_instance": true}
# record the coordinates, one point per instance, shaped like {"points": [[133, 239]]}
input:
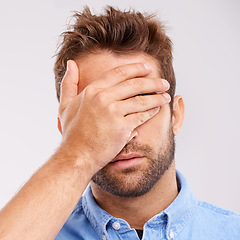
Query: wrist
{"points": [[75, 160]]}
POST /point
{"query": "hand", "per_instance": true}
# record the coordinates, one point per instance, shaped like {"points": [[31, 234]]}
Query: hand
{"points": [[99, 121]]}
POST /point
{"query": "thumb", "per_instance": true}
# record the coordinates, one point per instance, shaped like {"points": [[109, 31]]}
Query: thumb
{"points": [[69, 85]]}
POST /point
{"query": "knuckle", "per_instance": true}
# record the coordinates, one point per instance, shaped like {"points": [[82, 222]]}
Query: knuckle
{"points": [[89, 90], [101, 98], [64, 85], [149, 114], [112, 109], [120, 71], [141, 100], [141, 118], [144, 116], [137, 83]]}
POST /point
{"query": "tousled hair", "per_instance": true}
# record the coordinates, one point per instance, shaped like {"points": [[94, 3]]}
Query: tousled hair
{"points": [[120, 32]]}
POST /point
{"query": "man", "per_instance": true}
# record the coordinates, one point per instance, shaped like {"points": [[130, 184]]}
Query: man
{"points": [[118, 117]]}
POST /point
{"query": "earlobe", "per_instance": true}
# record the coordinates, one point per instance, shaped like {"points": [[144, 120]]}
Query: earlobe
{"points": [[59, 126], [178, 114]]}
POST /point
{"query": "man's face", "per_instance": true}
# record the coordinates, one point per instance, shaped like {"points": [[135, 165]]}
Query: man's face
{"points": [[154, 141]]}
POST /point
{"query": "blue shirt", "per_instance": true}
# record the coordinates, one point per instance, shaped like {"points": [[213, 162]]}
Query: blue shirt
{"points": [[185, 218]]}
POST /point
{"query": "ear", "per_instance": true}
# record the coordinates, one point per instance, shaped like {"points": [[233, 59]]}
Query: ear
{"points": [[59, 126], [178, 114]]}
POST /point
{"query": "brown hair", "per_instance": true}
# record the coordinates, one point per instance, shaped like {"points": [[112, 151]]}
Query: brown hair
{"points": [[119, 32]]}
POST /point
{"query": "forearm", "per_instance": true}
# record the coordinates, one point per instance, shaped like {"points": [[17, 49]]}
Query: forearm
{"points": [[45, 202]]}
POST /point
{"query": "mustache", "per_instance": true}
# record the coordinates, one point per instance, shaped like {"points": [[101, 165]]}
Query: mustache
{"points": [[135, 147]]}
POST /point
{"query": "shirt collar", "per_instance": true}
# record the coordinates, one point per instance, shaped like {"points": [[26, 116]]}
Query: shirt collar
{"points": [[178, 212], [97, 217], [181, 209]]}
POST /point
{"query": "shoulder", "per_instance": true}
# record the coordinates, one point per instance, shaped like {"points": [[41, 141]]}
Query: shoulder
{"points": [[77, 216], [213, 209], [77, 226], [217, 219]]}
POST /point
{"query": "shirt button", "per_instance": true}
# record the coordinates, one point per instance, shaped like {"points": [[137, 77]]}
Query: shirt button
{"points": [[104, 237], [171, 234], [116, 225]]}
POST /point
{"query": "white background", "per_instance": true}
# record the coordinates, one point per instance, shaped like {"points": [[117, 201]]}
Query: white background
{"points": [[206, 35]]}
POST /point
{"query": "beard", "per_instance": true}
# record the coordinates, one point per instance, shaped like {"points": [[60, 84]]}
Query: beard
{"points": [[134, 181]]}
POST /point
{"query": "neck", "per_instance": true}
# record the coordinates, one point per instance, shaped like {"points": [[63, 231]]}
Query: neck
{"points": [[137, 211]]}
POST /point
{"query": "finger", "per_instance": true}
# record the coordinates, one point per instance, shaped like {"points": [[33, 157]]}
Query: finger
{"points": [[136, 86], [133, 134], [69, 85], [122, 73], [136, 119], [142, 103]]}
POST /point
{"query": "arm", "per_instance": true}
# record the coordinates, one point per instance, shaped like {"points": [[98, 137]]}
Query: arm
{"points": [[42, 206], [95, 126]]}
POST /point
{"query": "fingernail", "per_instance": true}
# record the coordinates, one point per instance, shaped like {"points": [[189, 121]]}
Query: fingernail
{"points": [[133, 134], [67, 66], [165, 83], [147, 66], [167, 96], [155, 110]]}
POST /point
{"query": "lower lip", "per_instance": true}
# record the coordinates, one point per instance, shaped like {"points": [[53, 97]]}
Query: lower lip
{"points": [[127, 163]]}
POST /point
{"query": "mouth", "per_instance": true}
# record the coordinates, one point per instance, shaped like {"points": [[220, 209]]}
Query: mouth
{"points": [[126, 160], [124, 157]]}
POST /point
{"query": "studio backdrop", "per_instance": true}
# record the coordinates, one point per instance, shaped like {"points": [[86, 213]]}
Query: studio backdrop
{"points": [[206, 41]]}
